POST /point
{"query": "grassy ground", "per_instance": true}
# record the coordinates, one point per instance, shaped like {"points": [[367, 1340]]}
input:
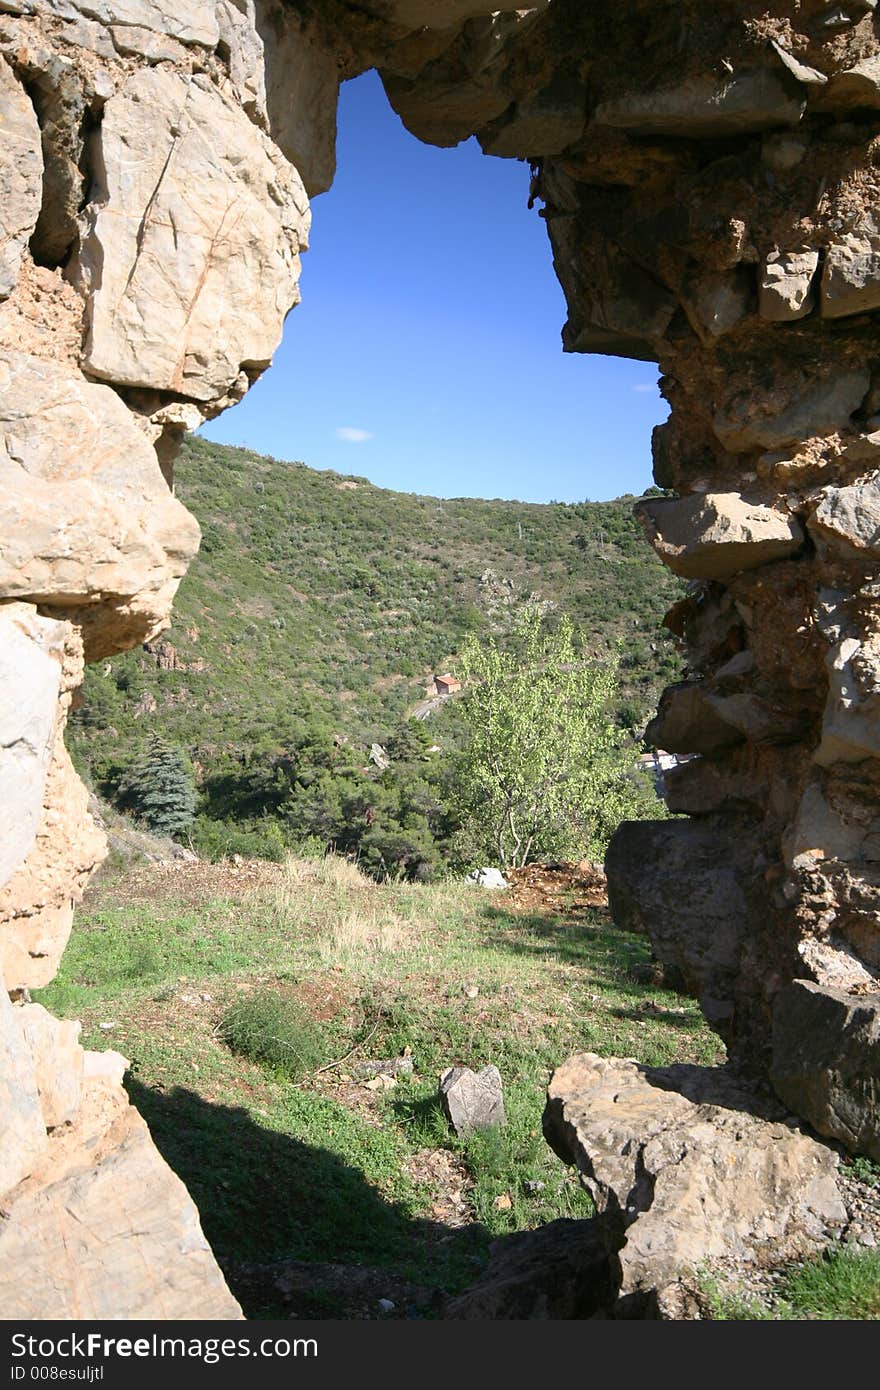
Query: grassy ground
{"points": [[842, 1285], [329, 1168]]}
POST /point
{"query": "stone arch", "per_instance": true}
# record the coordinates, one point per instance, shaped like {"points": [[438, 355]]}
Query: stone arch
{"points": [[708, 174]]}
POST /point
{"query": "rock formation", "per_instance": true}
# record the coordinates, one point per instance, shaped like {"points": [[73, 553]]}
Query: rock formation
{"points": [[708, 174]]}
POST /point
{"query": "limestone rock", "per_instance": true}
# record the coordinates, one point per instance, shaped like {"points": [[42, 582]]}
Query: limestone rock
{"points": [[847, 521], [715, 535], [695, 889], [851, 720], [241, 44], [88, 520], [851, 278], [487, 878], [704, 107], [616, 307], [419, 14], [22, 1132], [21, 175], [302, 87], [53, 1044], [132, 40], [37, 901], [31, 653], [102, 1229], [826, 1062], [717, 302], [821, 405], [558, 1271], [819, 832], [190, 21], [543, 125], [786, 291], [858, 85], [689, 720], [190, 254], [682, 1170], [472, 1100], [105, 1066], [693, 719]]}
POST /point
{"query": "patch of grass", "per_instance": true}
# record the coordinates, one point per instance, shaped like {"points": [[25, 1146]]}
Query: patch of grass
{"points": [[842, 1284], [274, 1029]]}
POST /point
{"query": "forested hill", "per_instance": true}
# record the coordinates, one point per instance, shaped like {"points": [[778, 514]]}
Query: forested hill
{"points": [[321, 603]]}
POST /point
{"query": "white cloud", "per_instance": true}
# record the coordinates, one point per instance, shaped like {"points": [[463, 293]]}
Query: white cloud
{"points": [[643, 386], [353, 436]]}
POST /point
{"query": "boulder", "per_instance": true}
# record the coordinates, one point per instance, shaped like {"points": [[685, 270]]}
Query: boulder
{"points": [[101, 1229], [57, 1057], [558, 1271], [88, 520], [472, 1100], [22, 1131], [847, 521], [826, 1062], [21, 175], [707, 108], [786, 290], [851, 277], [685, 1166], [487, 878], [189, 259], [715, 535]]}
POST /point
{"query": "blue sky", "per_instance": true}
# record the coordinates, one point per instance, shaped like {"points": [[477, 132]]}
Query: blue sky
{"points": [[426, 353]]}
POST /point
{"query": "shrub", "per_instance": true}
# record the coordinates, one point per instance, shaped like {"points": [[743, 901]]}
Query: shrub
{"points": [[274, 1029]]}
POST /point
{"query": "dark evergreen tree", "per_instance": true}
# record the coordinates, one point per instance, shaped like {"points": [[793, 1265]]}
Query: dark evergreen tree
{"points": [[159, 787]]}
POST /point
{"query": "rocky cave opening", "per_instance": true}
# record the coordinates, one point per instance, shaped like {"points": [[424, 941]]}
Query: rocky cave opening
{"points": [[709, 176]]}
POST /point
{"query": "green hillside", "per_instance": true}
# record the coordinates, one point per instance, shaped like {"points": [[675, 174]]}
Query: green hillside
{"points": [[320, 606]]}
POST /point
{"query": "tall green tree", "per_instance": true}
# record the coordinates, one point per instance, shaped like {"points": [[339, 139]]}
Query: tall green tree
{"points": [[546, 772], [160, 788]]}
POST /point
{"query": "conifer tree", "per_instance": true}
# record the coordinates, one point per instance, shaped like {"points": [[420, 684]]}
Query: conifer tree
{"points": [[159, 787]]}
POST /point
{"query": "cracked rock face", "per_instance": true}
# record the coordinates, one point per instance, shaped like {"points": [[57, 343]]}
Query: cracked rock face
{"points": [[190, 256], [88, 521]]}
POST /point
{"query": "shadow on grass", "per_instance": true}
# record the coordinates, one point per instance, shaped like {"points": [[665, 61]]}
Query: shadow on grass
{"points": [[265, 1198], [598, 946]]}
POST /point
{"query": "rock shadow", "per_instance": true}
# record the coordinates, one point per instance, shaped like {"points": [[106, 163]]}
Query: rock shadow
{"points": [[297, 1231]]}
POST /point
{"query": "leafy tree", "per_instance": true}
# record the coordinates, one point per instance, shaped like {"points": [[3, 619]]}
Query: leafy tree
{"points": [[546, 772], [159, 787]]}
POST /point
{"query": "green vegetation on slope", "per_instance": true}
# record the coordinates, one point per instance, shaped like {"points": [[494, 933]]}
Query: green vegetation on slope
{"points": [[331, 1169], [314, 616]]}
